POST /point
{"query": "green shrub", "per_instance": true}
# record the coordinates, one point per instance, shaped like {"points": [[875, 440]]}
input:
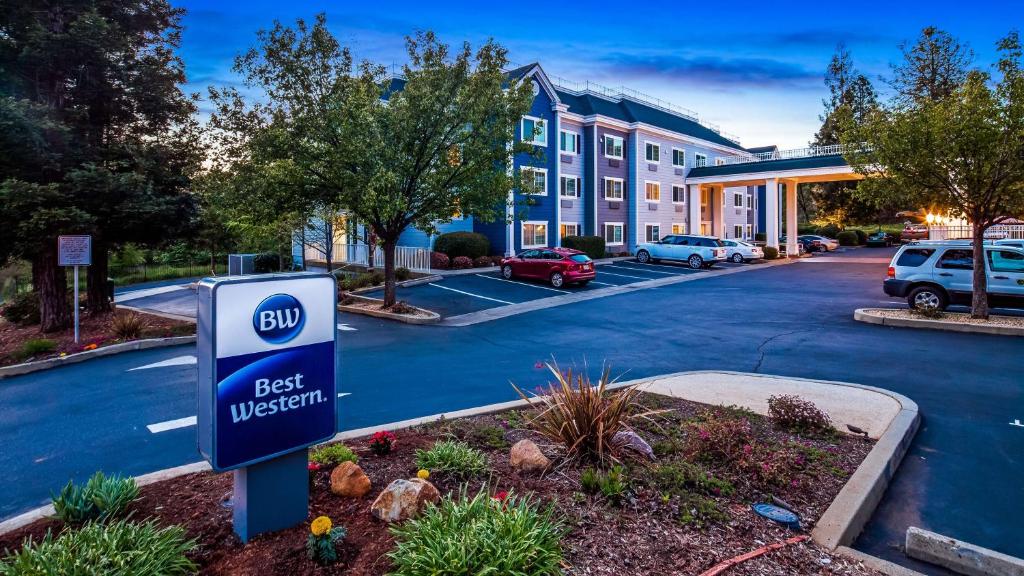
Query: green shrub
{"points": [[806, 229], [22, 309], [333, 454], [798, 415], [829, 231], [469, 244], [482, 535], [101, 498], [611, 484], [266, 262], [454, 457], [37, 346], [402, 274], [592, 246], [117, 549], [770, 253], [847, 238], [699, 510], [680, 478], [862, 236]]}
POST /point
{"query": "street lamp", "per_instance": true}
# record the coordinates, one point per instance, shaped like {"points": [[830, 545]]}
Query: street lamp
{"points": [[930, 218]]}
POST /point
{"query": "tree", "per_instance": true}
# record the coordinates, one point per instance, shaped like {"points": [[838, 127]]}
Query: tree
{"points": [[413, 153], [964, 151], [932, 69]]}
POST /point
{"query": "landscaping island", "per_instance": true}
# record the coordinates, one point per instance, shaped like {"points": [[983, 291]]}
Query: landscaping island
{"points": [[670, 493]]}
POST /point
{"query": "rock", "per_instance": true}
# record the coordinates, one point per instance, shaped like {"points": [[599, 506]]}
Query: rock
{"points": [[404, 499], [527, 457], [349, 480], [629, 440]]}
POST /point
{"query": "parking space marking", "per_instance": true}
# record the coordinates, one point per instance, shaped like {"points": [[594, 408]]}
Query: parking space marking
{"points": [[346, 328], [680, 267], [1017, 423], [522, 283], [602, 283], [635, 269], [628, 276], [469, 294], [178, 361]]}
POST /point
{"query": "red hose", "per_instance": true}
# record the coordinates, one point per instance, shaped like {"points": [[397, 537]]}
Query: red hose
{"points": [[726, 564]]}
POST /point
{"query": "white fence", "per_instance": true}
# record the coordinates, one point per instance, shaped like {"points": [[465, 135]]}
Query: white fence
{"points": [[415, 259], [999, 231]]}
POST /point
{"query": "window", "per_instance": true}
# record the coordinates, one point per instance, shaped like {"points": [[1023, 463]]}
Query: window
{"points": [[678, 157], [719, 161], [652, 232], [581, 258], [535, 181], [534, 234], [737, 200], [678, 228], [613, 147], [613, 233], [914, 257], [737, 231], [569, 142], [613, 188], [653, 152], [678, 194], [1005, 261], [569, 187], [652, 191], [749, 201], [750, 232], [533, 131], [569, 229], [700, 160], [956, 260]]}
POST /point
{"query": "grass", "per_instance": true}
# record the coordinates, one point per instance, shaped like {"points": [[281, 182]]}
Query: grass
{"points": [[101, 498], [333, 454], [453, 457]]}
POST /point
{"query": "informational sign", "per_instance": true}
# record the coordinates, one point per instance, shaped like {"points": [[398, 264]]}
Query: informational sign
{"points": [[74, 250], [267, 366]]}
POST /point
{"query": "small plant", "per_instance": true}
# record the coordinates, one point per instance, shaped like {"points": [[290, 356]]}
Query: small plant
{"points": [[322, 542], [439, 261], [461, 263], [382, 442], [454, 457], [402, 274], [332, 455], [120, 547], [698, 510], [22, 309], [847, 238], [482, 262], [423, 474], [402, 307], [477, 433], [127, 325], [481, 535], [719, 439], [101, 498], [611, 484], [929, 311], [680, 478], [771, 253], [797, 415], [37, 346]]}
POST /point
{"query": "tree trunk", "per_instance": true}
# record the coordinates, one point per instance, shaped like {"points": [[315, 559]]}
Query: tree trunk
{"points": [[389, 272], [979, 296], [52, 287], [97, 293]]}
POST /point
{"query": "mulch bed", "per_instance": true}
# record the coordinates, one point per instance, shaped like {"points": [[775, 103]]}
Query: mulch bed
{"points": [[93, 329], [640, 535]]}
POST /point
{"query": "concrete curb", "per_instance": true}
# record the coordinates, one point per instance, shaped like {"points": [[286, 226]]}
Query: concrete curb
{"points": [[152, 312], [875, 563], [134, 345], [959, 556], [870, 316], [433, 317]]}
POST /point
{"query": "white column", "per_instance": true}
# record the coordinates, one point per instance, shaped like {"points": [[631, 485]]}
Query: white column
{"points": [[558, 175], [693, 226], [791, 227], [718, 222], [771, 213]]}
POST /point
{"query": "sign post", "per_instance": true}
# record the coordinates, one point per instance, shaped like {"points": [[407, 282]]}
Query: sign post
{"points": [[74, 251], [267, 349]]}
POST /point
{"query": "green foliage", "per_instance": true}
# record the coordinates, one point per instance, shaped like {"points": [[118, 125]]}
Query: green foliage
{"points": [[592, 246], [266, 262], [101, 498], [470, 244], [680, 478], [129, 255], [611, 484], [37, 346], [333, 454], [847, 238], [454, 457], [22, 309], [828, 231], [402, 274], [771, 253], [862, 236], [481, 535], [478, 433], [127, 325], [119, 548], [323, 549], [697, 509]]}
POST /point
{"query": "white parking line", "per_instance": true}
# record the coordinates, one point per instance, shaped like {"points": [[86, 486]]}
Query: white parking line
{"points": [[625, 275], [635, 269], [522, 283], [468, 293], [346, 328], [191, 421], [602, 283], [177, 361]]}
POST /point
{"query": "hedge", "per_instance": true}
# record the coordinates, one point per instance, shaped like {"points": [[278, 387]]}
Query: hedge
{"points": [[266, 262], [862, 236], [770, 253], [847, 238], [469, 244], [592, 246], [829, 231]]}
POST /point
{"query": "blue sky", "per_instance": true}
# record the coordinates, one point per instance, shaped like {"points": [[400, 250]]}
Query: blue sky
{"points": [[754, 68]]}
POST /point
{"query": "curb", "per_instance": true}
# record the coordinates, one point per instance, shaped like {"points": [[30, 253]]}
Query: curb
{"points": [[433, 317], [959, 556], [869, 316], [152, 312], [134, 345]]}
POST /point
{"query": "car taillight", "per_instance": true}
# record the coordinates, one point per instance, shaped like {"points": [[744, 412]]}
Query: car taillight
{"points": [[892, 272]]}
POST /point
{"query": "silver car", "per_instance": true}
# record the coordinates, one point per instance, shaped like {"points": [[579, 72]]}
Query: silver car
{"points": [[739, 251], [941, 272], [697, 251]]}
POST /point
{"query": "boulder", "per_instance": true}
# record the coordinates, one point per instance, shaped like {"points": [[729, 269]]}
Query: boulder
{"points": [[404, 499], [525, 456], [348, 479], [632, 442]]}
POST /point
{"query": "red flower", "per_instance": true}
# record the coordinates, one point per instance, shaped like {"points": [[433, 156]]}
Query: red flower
{"points": [[313, 466], [501, 496]]}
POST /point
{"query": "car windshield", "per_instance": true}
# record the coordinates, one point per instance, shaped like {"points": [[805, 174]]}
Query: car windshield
{"points": [[579, 258]]}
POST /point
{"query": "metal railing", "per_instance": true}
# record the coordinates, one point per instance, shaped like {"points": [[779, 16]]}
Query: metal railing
{"points": [[997, 232], [809, 152], [415, 259]]}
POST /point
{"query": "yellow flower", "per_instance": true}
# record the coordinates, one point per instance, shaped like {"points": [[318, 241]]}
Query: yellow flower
{"points": [[320, 526], [423, 474]]}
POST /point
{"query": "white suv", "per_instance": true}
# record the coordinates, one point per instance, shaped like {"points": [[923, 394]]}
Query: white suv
{"points": [[697, 251], [939, 273]]}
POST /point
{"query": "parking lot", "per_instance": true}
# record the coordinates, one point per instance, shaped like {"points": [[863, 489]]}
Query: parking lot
{"points": [[463, 294]]}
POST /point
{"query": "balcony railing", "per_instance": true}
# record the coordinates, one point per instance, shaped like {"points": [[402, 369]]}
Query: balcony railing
{"points": [[810, 152]]}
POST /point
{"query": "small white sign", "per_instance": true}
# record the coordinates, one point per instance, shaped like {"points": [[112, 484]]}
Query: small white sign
{"points": [[74, 250]]}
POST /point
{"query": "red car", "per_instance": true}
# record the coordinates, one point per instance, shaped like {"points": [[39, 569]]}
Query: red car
{"points": [[559, 266]]}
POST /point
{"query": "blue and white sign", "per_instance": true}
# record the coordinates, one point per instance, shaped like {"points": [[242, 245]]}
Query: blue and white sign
{"points": [[267, 366]]}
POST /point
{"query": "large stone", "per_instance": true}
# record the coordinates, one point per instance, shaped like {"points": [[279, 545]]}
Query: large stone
{"points": [[632, 442], [348, 479], [404, 499], [527, 457]]}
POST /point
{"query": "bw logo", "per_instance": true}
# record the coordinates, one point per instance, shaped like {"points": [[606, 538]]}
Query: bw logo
{"points": [[279, 318]]}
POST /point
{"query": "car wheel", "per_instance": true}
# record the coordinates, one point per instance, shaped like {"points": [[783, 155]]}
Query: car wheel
{"points": [[557, 280], [927, 296], [506, 271], [695, 261], [643, 256], [737, 258]]}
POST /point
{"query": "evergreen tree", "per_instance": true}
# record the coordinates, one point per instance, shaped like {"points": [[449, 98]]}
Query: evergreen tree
{"points": [[932, 69]]}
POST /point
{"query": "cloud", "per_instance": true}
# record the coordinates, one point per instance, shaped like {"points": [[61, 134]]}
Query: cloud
{"points": [[711, 71]]}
